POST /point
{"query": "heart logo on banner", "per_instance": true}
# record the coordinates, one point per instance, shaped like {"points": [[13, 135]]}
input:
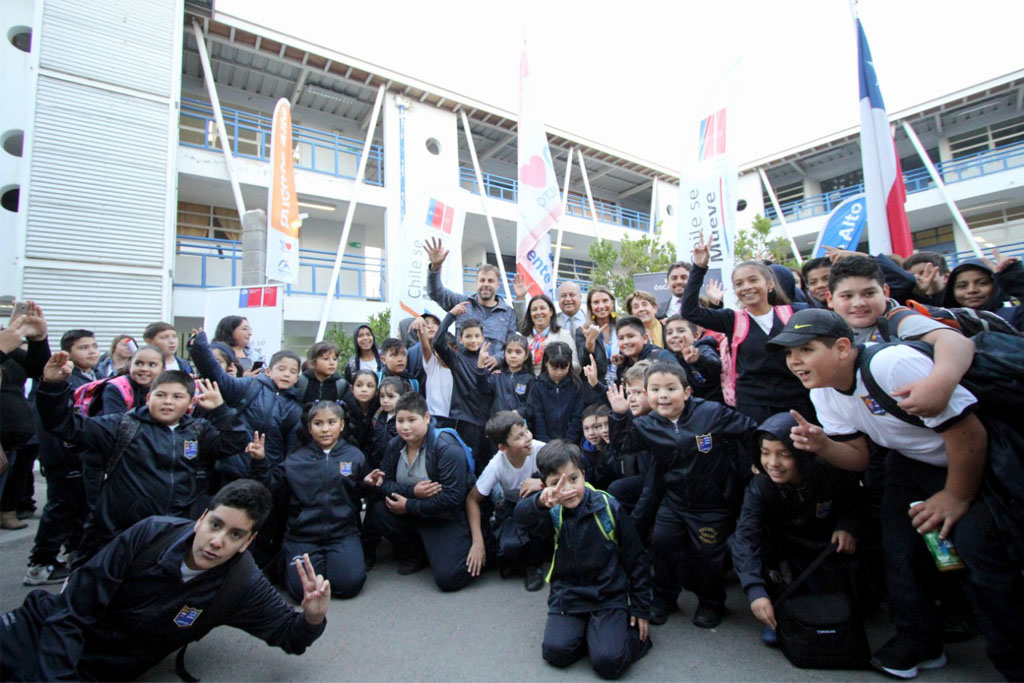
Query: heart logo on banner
{"points": [[533, 173]]}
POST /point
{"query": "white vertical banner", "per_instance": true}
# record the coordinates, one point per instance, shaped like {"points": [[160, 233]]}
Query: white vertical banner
{"points": [[282, 201], [539, 202], [434, 214], [708, 182]]}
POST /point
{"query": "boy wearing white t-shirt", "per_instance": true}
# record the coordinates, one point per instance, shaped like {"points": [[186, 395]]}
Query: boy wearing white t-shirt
{"points": [[941, 462], [509, 476]]}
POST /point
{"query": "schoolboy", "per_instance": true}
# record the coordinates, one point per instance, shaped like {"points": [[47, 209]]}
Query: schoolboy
{"points": [[424, 484], [165, 337], [699, 449], [155, 473], [698, 354], [508, 477], [395, 357], [384, 429], [320, 380], [932, 272], [793, 508], [635, 345], [941, 462], [815, 272], [149, 592], [66, 507], [470, 405], [858, 292], [634, 484], [598, 465], [600, 573]]}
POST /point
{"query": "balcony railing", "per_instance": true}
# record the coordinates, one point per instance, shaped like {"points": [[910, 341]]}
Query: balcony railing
{"points": [[1010, 249], [917, 180], [203, 263], [504, 188], [250, 135]]}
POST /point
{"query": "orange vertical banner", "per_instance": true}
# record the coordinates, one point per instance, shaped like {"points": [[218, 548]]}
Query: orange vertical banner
{"points": [[282, 201]]}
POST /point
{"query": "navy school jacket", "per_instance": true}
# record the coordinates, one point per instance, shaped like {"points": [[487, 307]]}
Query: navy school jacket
{"points": [[556, 410], [632, 462], [446, 464], [648, 352], [113, 402], [511, 391], [705, 374], [470, 392], [590, 572], [359, 422], [110, 625], [325, 490], [157, 475], [384, 432]]}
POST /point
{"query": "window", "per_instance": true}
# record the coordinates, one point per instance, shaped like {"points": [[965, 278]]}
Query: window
{"points": [[1002, 134], [210, 222]]}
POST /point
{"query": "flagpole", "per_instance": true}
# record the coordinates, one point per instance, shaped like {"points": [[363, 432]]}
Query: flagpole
{"points": [[565, 200], [350, 213], [778, 212], [590, 195], [483, 202], [958, 218]]}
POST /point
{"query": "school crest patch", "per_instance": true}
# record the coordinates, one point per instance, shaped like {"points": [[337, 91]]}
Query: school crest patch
{"points": [[187, 616], [708, 535], [822, 509], [345, 468], [873, 406], [703, 443], [520, 389], [191, 449]]}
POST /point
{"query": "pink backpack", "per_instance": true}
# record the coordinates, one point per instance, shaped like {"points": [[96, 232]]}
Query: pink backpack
{"points": [[89, 397], [728, 352]]}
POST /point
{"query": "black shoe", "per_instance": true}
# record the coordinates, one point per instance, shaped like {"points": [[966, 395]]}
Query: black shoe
{"points": [[370, 560], [534, 579], [661, 610], [902, 657], [708, 616], [412, 565]]}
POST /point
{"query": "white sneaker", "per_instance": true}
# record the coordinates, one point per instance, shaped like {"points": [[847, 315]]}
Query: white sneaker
{"points": [[38, 575]]}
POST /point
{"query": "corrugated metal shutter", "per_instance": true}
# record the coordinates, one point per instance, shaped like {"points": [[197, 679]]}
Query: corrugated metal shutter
{"points": [[109, 304], [98, 176], [123, 42]]}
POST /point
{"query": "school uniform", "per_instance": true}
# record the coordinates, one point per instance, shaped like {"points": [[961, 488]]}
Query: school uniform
{"points": [[650, 352], [704, 375], [114, 621], [311, 389], [359, 422], [499, 485], [113, 401], [1007, 293], [435, 526], [157, 474], [510, 391], [634, 484], [325, 497], [597, 584], [556, 410]]}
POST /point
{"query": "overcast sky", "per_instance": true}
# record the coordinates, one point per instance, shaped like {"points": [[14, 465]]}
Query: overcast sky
{"points": [[634, 75]]}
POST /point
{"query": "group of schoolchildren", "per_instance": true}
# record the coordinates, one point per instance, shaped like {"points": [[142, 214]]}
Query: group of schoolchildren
{"points": [[620, 458]]}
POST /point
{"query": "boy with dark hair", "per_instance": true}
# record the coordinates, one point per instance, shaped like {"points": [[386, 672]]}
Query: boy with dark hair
{"points": [[600, 573], [598, 464], [815, 272], [147, 458], [934, 472], [321, 381], [395, 357], [161, 584], [932, 272], [424, 483], [699, 478], [635, 345], [165, 337], [634, 477], [697, 353], [508, 477]]}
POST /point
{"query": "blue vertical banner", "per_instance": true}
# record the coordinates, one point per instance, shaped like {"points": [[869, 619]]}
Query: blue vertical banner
{"points": [[844, 227]]}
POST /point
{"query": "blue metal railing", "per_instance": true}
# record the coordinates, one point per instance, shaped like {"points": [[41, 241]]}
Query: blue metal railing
{"points": [[250, 134], [1010, 249], [916, 180], [202, 262], [504, 188]]}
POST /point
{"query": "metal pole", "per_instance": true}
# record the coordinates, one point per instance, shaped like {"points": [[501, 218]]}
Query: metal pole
{"points": [[778, 212], [654, 209], [958, 218], [483, 203], [590, 196], [350, 213], [222, 132], [561, 223]]}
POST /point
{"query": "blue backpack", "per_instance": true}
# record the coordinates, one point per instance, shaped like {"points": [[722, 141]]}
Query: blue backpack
{"points": [[469, 451]]}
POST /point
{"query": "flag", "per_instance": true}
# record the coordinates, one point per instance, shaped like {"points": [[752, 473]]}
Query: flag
{"points": [[538, 199], [888, 228], [844, 227], [282, 201]]}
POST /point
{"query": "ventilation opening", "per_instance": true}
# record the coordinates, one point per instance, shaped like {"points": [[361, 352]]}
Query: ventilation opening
{"points": [[12, 142], [20, 37], [433, 146], [9, 198]]}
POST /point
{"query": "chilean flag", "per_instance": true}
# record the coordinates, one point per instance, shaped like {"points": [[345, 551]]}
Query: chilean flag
{"points": [[888, 229]]}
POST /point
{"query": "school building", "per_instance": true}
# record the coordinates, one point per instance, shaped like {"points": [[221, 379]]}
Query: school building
{"points": [[118, 207]]}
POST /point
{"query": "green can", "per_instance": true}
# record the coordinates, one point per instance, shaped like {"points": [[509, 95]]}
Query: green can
{"points": [[943, 551]]}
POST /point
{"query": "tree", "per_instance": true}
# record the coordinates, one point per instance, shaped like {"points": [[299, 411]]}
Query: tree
{"points": [[757, 244], [615, 268], [380, 323]]}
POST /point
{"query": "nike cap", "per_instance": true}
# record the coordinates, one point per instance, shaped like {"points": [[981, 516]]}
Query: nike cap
{"points": [[809, 324]]}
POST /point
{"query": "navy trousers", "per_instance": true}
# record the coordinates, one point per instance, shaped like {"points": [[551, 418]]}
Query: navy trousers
{"points": [[691, 548], [340, 562], [606, 634], [445, 543]]}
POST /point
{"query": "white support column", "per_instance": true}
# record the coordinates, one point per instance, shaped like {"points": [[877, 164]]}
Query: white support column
{"points": [[561, 223], [222, 133], [778, 212], [590, 196], [654, 210], [958, 218], [483, 203], [350, 213]]}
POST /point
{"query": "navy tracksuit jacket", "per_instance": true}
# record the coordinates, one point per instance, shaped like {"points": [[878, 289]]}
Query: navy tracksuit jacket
{"points": [[556, 410]]}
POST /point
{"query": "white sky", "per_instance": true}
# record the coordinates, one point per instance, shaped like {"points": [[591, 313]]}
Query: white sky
{"points": [[633, 75]]}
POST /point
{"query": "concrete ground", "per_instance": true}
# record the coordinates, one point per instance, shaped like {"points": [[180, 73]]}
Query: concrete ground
{"points": [[403, 628]]}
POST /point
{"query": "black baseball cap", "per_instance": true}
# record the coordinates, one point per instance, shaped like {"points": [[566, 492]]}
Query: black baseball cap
{"points": [[809, 324]]}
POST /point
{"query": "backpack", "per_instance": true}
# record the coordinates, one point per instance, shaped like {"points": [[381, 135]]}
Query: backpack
{"points": [[604, 518], [729, 351], [413, 382], [89, 397], [968, 321], [469, 451], [340, 385], [820, 630]]}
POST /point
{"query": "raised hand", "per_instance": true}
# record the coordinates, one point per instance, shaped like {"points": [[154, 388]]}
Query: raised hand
{"points": [[435, 252], [557, 494], [714, 291], [590, 371], [592, 333], [691, 354], [483, 357], [316, 591], [928, 281], [1001, 263], [11, 336], [835, 254], [256, 448], [58, 368], [35, 323], [208, 393], [374, 478], [520, 287], [807, 436], [617, 399], [416, 325], [702, 252], [426, 489]]}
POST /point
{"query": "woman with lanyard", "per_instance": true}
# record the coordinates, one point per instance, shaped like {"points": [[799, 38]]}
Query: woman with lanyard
{"points": [[599, 343], [541, 328]]}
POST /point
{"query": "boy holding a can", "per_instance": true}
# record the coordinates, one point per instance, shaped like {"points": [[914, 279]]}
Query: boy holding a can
{"points": [[938, 466]]}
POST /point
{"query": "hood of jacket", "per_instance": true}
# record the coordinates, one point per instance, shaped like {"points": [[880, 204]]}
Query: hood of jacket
{"points": [[994, 302]]}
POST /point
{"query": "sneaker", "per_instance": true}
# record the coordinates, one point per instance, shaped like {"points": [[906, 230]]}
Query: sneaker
{"points": [[38, 575], [769, 637], [707, 616], [534, 579], [660, 611], [412, 565], [902, 657]]}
